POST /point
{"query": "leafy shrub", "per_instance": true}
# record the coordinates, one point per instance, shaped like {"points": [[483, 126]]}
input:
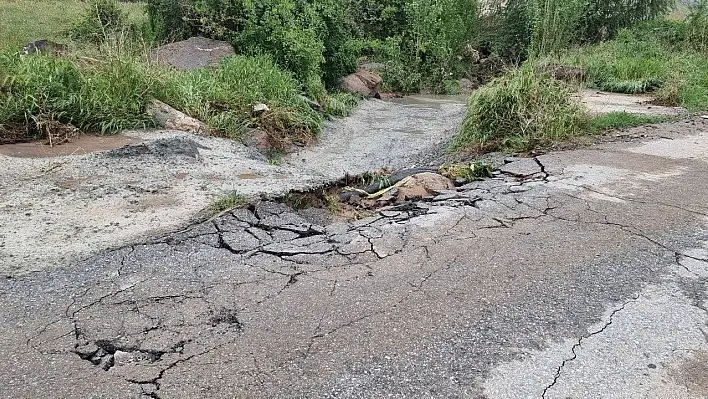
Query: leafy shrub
{"points": [[520, 111], [102, 18], [378, 19], [166, 19]]}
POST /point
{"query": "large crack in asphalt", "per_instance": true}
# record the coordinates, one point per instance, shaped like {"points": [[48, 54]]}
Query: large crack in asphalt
{"points": [[577, 346], [262, 230]]}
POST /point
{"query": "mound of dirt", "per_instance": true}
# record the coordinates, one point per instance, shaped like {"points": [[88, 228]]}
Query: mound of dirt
{"points": [[164, 148], [193, 53]]}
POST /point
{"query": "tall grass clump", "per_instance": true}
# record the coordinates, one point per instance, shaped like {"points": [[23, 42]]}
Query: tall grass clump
{"points": [[519, 111], [223, 97], [341, 104], [108, 96]]}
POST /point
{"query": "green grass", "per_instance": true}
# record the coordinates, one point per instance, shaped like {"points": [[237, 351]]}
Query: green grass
{"points": [[223, 97], [518, 112], [620, 120], [23, 21], [106, 97], [341, 104], [663, 58], [227, 202]]}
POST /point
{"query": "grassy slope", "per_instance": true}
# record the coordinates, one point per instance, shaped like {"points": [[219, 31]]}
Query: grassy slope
{"points": [[677, 76], [23, 21]]}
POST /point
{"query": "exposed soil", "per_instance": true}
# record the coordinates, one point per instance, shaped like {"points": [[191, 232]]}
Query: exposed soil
{"points": [[602, 103], [84, 144]]}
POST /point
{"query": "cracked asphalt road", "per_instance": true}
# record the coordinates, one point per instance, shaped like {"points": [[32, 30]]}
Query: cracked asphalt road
{"points": [[577, 274]]}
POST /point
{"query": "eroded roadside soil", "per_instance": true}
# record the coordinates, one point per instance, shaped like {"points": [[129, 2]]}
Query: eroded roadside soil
{"points": [[569, 274], [58, 210]]}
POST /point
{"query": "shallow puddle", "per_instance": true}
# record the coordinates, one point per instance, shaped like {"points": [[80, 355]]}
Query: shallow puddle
{"points": [[430, 100], [78, 146]]}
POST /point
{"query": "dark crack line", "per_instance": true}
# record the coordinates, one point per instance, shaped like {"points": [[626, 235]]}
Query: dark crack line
{"points": [[576, 346], [543, 168], [124, 259], [637, 201]]}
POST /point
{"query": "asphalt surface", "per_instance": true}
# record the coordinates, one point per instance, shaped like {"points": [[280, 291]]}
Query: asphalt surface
{"points": [[577, 274]]}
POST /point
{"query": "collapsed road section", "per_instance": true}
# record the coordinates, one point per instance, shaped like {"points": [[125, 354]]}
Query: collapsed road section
{"points": [[493, 289]]}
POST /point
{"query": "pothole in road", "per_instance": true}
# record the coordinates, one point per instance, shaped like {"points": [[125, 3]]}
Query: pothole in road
{"points": [[356, 197]]}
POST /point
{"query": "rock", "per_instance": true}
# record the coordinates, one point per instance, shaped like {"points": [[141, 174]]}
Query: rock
{"points": [[170, 118], [86, 351], [423, 185], [259, 140], [260, 108], [44, 47], [363, 82], [467, 86], [195, 52], [461, 181]]}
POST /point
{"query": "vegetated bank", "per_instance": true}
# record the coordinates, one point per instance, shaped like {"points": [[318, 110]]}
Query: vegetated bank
{"points": [[609, 49], [287, 49]]}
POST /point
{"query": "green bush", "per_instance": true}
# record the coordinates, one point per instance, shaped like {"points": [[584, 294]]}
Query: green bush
{"points": [[308, 38], [378, 19], [520, 111], [166, 19], [102, 18]]}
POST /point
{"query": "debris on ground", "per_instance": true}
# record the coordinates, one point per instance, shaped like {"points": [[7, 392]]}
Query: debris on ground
{"points": [[169, 118], [355, 197]]}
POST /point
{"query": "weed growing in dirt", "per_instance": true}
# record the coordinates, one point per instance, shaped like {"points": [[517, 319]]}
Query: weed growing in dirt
{"points": [[473, 171], [519, 111], [227, 202], [620, 120], [341, 104]]}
